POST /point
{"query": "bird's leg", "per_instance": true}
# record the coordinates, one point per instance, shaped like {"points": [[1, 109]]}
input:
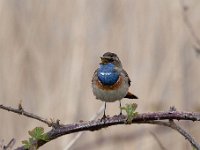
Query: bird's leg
{"points": [[120, 106], [104, 113]]}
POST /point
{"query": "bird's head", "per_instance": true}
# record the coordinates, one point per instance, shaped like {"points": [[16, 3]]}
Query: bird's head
{"points": [[109, 57]]}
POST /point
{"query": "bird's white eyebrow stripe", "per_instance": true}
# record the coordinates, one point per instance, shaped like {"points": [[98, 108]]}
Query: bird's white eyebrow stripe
{"points": [[105, 73]]}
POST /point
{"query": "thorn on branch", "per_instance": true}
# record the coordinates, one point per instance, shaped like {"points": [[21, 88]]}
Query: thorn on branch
{"points": [[172, 109], [55, 124], [20, 108], [20, 105]]}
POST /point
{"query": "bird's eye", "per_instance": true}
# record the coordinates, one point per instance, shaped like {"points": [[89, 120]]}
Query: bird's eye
{"points": [[111, 59]]}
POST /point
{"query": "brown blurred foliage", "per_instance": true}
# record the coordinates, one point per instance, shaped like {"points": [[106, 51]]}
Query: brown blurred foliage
{"points": [[50, 49]]}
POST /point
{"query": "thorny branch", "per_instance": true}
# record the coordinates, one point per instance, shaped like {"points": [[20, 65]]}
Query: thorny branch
{"points": [[21, 111], [8, 146], [183, 132], [158, 118]]}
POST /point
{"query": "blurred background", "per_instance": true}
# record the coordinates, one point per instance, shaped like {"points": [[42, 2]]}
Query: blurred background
{"points": [[50, 49]]}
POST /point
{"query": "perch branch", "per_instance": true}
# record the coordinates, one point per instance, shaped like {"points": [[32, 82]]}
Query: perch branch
{"points": [[143, 118], [94, 125]]}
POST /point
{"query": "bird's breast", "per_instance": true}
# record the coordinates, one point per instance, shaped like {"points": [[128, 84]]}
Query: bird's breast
{"points": [[110, 93], [107, 74]]}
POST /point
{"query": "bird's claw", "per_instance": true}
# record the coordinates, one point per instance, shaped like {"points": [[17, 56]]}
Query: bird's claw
{"points": [[103, 118]]}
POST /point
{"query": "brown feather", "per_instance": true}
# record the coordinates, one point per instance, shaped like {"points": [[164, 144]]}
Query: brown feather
{"points": [[110, 87], [130, 96]]}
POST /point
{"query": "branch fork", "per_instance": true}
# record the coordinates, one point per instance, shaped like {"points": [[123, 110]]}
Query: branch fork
{"points": [[158, 118]]}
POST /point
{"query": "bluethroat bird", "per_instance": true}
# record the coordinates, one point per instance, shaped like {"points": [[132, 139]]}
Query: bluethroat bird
{"points": [[110, 81]]}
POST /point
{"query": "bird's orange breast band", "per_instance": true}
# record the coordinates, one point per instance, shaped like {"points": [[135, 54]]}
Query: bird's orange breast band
{"points": [[110, 87]]}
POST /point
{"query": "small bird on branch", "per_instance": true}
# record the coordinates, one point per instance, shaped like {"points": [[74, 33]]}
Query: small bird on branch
{"points": [[110, 81]]}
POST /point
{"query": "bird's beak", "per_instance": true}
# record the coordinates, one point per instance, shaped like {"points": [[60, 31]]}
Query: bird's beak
{"points": [[103, 60]]}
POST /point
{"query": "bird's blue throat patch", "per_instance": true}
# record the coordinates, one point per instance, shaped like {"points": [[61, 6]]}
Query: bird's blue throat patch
{"points": [[107, 74]]}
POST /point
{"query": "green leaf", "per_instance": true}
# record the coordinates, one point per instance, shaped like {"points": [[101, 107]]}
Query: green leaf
{"points": [[36, 134], [31, 140], [27, 144], [45, 137], [130, 110], [194, 148]]}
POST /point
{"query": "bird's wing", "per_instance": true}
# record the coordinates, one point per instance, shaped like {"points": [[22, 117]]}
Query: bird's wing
{"points": [[94, 78], [129, 95], [126, 75]]}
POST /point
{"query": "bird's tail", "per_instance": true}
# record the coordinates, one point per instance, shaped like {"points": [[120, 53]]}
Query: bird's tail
{"points": [[130, 96]]}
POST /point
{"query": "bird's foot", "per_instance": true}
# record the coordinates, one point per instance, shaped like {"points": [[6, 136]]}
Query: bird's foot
{"points": [[103, 118]]}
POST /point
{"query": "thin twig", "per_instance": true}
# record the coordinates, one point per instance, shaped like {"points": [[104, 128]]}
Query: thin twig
{"points": [[21, 111], [9, 145], [183, 132]]}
